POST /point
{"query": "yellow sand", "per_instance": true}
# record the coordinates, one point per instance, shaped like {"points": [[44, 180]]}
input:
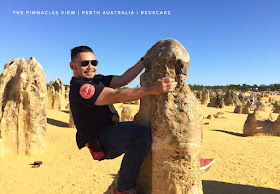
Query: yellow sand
{"points": [[243, 164]]}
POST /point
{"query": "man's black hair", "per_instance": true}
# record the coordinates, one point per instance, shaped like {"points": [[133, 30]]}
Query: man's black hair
{"points": [[79, 49]]}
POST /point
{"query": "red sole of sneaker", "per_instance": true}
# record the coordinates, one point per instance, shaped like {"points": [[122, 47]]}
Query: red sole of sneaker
{"points": [[206, 168]]}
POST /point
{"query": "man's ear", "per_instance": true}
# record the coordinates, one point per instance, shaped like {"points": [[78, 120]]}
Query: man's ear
{"points": [[72, 66]]}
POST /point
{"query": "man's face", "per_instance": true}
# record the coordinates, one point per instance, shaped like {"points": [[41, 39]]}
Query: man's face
{"points": [[83, 72]]}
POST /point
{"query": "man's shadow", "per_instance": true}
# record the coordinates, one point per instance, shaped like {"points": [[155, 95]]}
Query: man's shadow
{"points": [[215, 187]]}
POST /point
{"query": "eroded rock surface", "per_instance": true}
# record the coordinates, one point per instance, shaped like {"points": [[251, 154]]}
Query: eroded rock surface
{"points": [[71, 120], [175, 120], [127, 114], [276, 110], [205, 96], [56, 94], [23, 118], [245, 110], [257, 125], [271, 100], [276, 107], [231, 99], [238, 109], [260, 106]]}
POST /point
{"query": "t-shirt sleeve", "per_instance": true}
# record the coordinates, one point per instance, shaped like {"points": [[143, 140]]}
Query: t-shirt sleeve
{"points": [[89, 92], [106, 80]]}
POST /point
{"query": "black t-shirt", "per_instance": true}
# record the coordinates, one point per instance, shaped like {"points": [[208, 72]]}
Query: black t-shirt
{"points": [[89, 119]]}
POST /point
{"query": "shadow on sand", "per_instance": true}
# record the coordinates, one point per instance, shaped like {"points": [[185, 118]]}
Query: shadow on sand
{"points": [[214, 187], [65, 111], [228, 132], [113, 175], [229, 112], [57, 123]]}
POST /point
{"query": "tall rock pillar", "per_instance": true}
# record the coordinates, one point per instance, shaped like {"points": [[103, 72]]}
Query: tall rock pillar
{"points": [[205, 96], [23, 118], [175, 120]]}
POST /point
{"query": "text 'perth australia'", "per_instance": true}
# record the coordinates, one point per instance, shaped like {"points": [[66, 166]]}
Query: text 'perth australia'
{"points": [[125, 12]]}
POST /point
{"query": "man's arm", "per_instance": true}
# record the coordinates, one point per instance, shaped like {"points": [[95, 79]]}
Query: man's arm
{"points": [[110, 96], [128, 76]]}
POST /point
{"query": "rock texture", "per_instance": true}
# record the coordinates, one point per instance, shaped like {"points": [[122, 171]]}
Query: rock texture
{"points": [[271, 100], [276, 107], [222, 105], [248, 104], [260, 107], [231, 99], [245, 110], [56, 95], [238, 109], [205, 96], [137, 102], [23, 118], [175, 120], [127, 114], [277, 126], [213, 102], [71, 120], [276, 110], [67, 90], [212, 93], [256, 125], [241, 96], [67, 106], [277, 104]]}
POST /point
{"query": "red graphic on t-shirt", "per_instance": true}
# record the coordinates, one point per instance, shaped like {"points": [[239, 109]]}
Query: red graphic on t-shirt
{"points": [[87, 91]]}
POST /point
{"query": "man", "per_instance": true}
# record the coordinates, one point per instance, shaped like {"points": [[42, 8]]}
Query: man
{"points": [[97, 121], [91, 98], [252, 106]]}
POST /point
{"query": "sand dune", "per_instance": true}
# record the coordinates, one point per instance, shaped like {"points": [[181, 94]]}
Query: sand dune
{"points": [[243, 164]]}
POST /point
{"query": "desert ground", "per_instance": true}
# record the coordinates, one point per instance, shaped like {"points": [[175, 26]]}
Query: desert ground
{"points": [[243, 164]]}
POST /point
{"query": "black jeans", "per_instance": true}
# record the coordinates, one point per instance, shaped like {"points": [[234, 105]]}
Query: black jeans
{"points": [[132, 139]]}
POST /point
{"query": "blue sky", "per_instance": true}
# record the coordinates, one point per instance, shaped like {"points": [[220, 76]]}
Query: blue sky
{"points": [[229, 41]]}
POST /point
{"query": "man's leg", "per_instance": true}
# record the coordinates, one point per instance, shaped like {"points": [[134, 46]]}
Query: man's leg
{"points": [[133, 140]]}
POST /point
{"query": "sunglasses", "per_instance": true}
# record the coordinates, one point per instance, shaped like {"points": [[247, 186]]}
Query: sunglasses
{"points": [[92, 62]]}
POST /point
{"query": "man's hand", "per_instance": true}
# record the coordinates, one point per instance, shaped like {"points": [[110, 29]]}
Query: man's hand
{"points": [[163, 85], [110, 96]]}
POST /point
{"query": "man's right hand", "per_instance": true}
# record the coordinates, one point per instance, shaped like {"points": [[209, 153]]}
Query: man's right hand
{"points": [[163, 85]]}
